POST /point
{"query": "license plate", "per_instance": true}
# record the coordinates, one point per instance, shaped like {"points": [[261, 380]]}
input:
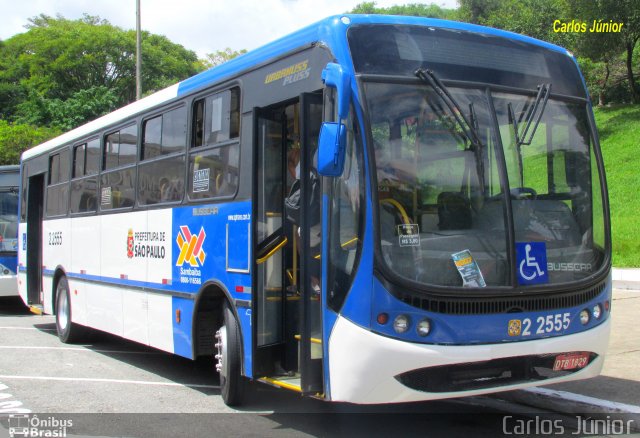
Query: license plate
{"points": [[571, 361]]}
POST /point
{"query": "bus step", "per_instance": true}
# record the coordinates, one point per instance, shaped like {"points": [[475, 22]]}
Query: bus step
{"points": [[38, 309], [285, 382]]}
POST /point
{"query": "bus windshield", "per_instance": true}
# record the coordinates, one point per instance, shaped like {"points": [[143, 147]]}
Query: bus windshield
{"points": [[441, 195], [8, 220]]}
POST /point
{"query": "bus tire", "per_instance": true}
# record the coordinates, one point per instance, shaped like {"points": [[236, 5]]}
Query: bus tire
{"points": [[228, 359], [68, 332]]}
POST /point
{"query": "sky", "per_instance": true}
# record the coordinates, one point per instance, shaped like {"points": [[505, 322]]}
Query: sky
{"points": [[203, 26]]}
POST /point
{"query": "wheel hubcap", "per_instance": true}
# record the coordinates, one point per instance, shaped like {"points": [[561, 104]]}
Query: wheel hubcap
{"points": [[63, 309], [221, 346]]}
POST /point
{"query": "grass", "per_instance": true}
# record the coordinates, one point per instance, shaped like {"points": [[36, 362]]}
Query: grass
{"points": [[619, 129]]}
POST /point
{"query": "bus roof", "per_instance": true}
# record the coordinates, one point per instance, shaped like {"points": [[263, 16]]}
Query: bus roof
{"points": [[331, 31]]}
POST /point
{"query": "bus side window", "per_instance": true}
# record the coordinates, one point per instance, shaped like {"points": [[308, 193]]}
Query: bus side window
{"points": [[84, 183], [215, 152], [58, 184], [161, 173]]}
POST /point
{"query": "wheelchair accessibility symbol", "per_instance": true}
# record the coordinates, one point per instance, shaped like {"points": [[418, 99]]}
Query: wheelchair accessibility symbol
{"points": [[532, 262]]}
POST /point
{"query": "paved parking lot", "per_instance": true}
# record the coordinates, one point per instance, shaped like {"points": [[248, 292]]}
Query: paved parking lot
{"points": [[113, 387]]}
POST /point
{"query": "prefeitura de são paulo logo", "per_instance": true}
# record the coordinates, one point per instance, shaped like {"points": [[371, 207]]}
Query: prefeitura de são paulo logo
{"points": [[191, 247], [130, 243]]}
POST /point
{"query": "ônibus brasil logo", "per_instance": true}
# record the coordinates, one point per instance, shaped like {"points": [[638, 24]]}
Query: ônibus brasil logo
{"points": [[190, 247]]}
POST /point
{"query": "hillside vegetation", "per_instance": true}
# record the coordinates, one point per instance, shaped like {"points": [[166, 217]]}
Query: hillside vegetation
{"points": [[619, 129]]}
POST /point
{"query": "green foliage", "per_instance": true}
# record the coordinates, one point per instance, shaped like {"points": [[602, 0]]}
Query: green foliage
{"points": [[66, 114], [58, 58], [619, 129], [16, 138], [221, 56], [413, 9], [533, 18]]}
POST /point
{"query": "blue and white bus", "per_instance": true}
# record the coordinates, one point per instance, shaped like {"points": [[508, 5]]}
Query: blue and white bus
{"points": [[450, 235], [9, 183]]}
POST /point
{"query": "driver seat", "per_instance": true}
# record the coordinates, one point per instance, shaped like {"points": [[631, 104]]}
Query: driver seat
{"points": [[454, 211]]}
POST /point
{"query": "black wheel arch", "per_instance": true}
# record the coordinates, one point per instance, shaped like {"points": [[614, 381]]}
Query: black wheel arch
{"points": [[210, 298]]}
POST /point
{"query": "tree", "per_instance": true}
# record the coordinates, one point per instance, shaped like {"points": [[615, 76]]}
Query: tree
{"points": [[533, 18], [16, 138], [57, 58], [414, 9], [477, 11], [221, 56]]}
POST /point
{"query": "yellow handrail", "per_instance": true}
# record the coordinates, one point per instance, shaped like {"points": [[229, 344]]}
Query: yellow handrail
{"points": [[396, 204], [272, 252]]}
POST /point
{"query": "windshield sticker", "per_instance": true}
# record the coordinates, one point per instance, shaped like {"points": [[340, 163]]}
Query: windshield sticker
{"points": [[409, 235], [468, 269], [531, 258]]}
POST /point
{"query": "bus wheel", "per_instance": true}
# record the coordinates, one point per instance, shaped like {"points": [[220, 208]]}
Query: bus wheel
{"points": [[228, 359], [68, 332]]}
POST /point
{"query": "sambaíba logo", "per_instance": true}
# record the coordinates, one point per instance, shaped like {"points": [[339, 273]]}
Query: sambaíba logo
{"points": [[515, 327], [191, 247]]}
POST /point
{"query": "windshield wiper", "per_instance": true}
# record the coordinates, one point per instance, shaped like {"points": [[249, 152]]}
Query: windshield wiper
{"points": [[544, 90], [469, 128], [441, 90]]}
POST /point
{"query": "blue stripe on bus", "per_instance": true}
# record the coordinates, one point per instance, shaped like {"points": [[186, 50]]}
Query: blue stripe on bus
{"points": [[484, 328], [122, 282]]}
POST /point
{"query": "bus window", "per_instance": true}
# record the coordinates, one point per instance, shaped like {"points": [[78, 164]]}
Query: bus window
{"points": [[217, 118], [120, 147], [58, 187], [117, 189], [214, 160], [162, 180], [84, 186]]}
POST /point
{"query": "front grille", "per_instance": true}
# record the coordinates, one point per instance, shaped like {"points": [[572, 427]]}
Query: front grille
{"points": [[483, 306], [487, 374]]}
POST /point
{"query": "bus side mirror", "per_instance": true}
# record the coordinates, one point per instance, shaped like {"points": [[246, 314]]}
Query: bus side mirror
{"points": [[334, 76], [333, 138], [333, 135]]}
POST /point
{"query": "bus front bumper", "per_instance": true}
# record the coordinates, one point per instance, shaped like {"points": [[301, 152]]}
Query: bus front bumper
{"points": [[8, 286], [367, 368]]}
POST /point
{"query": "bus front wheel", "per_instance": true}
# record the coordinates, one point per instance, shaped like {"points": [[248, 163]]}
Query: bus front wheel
{"points": [[228, 360], [68, 332]]}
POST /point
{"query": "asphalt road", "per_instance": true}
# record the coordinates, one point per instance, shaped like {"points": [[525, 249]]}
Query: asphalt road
{"points": [[113, 387]]}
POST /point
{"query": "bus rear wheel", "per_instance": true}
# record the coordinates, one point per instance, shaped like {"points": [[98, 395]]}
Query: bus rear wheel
{"points": [[228, 360], [68, 332]]}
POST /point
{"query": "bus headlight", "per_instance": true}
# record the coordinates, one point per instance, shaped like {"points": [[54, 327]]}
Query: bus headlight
{"points": [[401, 323], [596, 311], [584, 317], [424, 327]]}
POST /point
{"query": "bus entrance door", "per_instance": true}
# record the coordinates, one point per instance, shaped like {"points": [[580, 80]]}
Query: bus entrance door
{"points": [[286, 306], [35, 206], [311, 339]]}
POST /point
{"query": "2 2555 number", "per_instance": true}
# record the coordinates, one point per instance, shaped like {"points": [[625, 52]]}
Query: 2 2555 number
{"points": [[546, 324]]}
